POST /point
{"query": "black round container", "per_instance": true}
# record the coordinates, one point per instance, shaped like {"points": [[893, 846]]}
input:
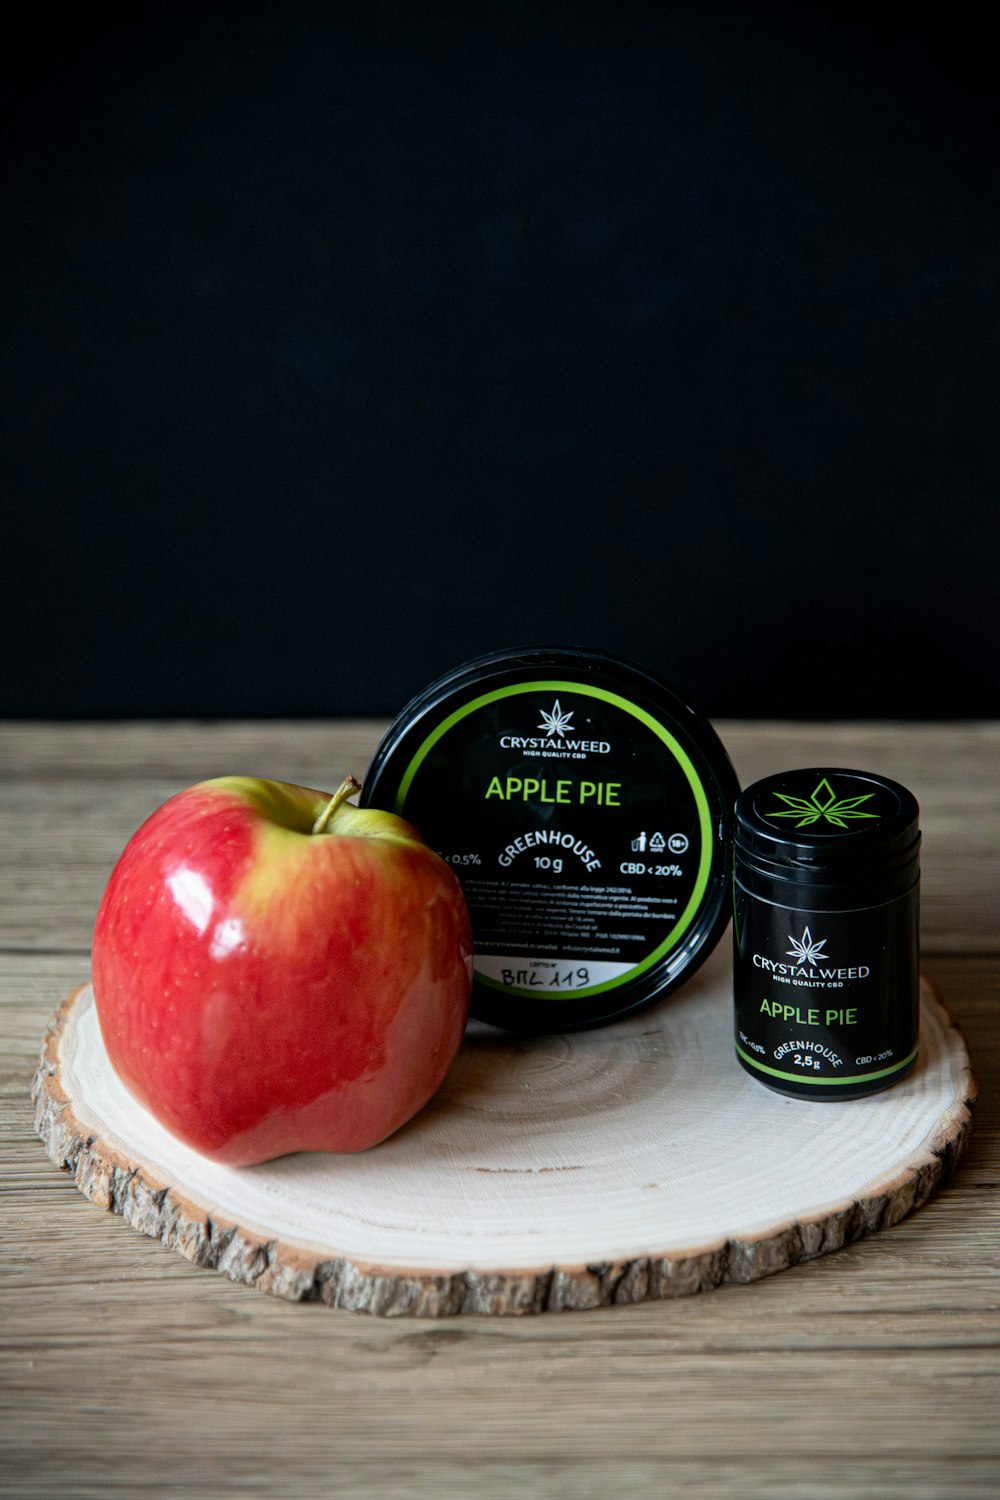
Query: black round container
{"points": [[587, 810], [826, 966]]}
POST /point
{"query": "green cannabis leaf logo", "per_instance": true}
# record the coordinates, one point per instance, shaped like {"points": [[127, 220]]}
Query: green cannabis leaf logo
{"points": [[823, 803]]}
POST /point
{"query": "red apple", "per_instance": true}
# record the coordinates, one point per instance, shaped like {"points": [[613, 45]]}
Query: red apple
{"points": [[276, 970]]}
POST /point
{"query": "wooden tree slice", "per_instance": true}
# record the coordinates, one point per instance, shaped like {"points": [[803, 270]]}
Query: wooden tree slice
{"points": [[637, 1161]]}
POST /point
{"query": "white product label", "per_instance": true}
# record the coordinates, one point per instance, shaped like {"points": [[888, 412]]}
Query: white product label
{"points": [[547, 974]]}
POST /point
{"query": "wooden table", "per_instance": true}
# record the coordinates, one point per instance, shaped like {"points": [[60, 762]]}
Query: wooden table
{"points": [[124, 1370]]}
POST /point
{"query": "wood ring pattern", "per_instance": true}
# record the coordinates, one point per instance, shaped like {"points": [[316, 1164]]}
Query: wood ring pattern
{"points": [[534, 1156]]}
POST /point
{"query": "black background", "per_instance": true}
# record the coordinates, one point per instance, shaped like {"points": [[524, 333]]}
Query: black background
{"points": [[344, 344]]}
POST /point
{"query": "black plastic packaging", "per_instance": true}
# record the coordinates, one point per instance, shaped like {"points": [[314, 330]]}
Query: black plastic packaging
{"points": [[587, 810], [826, 951]]}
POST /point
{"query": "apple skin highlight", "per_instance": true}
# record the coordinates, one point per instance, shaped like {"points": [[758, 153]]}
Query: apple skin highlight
{"points": [[262, 988]]}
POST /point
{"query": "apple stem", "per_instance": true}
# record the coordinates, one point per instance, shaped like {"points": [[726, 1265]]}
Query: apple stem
{"points": [[347, 788]]}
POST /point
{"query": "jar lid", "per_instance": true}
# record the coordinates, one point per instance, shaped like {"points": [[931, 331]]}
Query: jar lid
{"points": [[827, 819], [587, 810]]}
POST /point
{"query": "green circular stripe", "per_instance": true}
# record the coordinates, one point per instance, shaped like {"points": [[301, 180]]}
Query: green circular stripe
{"points": [[683, 760], [805, 1078]]}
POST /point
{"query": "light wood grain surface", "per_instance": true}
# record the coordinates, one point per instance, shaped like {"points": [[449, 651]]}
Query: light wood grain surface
{"points": [[871, 1372]]}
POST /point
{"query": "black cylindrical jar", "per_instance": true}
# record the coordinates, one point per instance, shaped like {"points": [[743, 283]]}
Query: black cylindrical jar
{"points": [[826, 873]]}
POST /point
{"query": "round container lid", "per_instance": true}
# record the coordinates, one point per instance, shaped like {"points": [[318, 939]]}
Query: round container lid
{"points": [[587, 810], [822, 816]]}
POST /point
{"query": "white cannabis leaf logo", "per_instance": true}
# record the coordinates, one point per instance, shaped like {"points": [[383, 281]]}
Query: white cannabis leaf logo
{"points": [[556, 723], [806, 951]]}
